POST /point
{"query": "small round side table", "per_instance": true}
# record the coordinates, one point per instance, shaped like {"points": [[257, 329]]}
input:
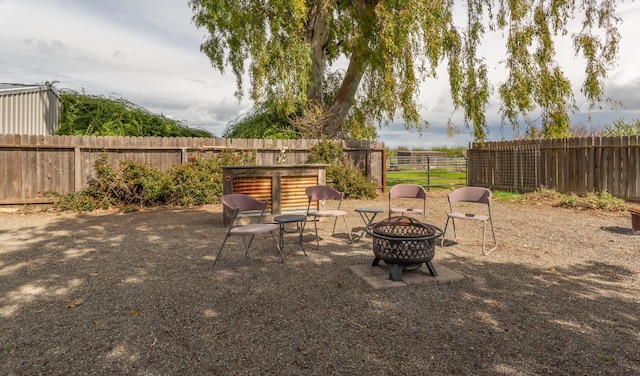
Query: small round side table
{"points": [[283, 220]]}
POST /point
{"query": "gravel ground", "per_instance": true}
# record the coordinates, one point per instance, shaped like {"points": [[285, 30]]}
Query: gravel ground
{"points": [[111, 293]]}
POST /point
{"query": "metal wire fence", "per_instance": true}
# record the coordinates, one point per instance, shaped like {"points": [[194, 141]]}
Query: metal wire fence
{"points": [[431, 172], [514, 169]]}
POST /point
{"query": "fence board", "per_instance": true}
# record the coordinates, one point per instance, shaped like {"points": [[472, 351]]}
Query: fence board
{"points": [[590, 168], [32, 166], [634, 167], [578, 165], [29, 164], [615, 166], [607, 154], [13, 173], [4, 161], [624, 167]]}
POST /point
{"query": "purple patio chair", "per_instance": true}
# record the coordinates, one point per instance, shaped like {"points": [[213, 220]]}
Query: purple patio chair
{"points": [[234, 204], [330, 196], [476, 196], [412, 195]]}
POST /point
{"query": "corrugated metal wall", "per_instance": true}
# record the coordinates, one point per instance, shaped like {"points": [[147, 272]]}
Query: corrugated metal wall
{"points": [[29, 112]]}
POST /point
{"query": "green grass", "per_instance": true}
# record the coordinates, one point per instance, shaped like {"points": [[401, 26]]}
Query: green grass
{"points": [[505, 196], [438, 178]]}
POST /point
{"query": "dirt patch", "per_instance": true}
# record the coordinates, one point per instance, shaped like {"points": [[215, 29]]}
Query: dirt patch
{"points": [[110, 293]]}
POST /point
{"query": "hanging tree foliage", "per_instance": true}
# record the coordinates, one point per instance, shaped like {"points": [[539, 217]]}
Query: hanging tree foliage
{"points": [[289, 50], [97, 115]]}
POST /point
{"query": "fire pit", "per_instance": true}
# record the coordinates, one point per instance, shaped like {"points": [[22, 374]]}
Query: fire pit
{"points": [[404, 243]]}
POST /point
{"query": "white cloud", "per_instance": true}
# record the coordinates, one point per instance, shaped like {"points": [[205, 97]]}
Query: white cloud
{"points": [[148, 52]]}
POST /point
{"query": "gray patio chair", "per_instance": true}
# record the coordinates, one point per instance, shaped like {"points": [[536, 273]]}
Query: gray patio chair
{"points": [[412, 195], [234, 204], [330, 196], [475, 196]]}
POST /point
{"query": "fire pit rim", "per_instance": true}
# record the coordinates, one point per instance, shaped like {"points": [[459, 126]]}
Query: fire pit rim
{"points": [[407, 237], [436, 234]]}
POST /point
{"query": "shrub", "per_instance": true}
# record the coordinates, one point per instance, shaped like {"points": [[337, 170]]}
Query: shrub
{"points": [[140, 185], [621, 127], [350, 181], [134, 185], [115, 116], [78, 201], [594, 201], [340, 175], [197, 182], [200, 181], [325, 152], [538, 197]]}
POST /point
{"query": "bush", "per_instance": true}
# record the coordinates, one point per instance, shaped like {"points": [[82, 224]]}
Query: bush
{"points": [[200, 181], [326, 152], [621, 127], [538, 197], [115, 116], [134, 185], [340, 175], [350, 181], [131, 185], [594, 201]]}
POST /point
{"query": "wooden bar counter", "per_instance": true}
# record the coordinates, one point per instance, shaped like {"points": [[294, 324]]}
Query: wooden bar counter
{"points": [[283, 186]]}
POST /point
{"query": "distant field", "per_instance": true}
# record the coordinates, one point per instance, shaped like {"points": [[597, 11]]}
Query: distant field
{"points": [[437, 179]]}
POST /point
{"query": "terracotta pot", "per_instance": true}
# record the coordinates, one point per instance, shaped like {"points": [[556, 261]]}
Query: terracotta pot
{"points": [[635, 220]]}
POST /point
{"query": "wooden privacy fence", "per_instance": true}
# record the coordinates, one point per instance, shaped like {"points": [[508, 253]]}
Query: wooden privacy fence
{"points": [[570, 165], [31, 166]]}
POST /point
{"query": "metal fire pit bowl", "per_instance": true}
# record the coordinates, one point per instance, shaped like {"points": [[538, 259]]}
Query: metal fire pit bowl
{"points": [[404, 243]]}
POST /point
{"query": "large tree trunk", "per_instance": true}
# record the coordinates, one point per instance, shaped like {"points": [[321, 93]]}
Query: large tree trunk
{"points": [[337, 112], [332, 122], [317, 37]]}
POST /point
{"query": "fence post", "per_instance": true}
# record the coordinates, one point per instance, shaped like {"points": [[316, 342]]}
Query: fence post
{"points": [[515, 169], [428, 174], [183, 155], [77, 166]]}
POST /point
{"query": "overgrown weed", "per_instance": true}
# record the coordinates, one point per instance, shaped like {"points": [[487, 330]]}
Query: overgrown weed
{"points": [[602, 201], [132, 185]]}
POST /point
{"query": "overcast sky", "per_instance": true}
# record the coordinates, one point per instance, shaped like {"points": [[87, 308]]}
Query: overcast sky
{"points": [[148, 52]]}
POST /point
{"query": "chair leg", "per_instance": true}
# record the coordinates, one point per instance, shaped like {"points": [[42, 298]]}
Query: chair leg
{"points": [[453, 227], [300, 229], [246, 250], [495, 242], [335, 221], [219, 252], [304, 225], [247, 246], [444, 232], [315, 225], [348, 230], [250, 242], [278, 246], [484, 230]]}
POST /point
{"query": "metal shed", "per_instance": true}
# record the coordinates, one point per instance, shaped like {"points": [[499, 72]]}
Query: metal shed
{"points": [[29, 109]]}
